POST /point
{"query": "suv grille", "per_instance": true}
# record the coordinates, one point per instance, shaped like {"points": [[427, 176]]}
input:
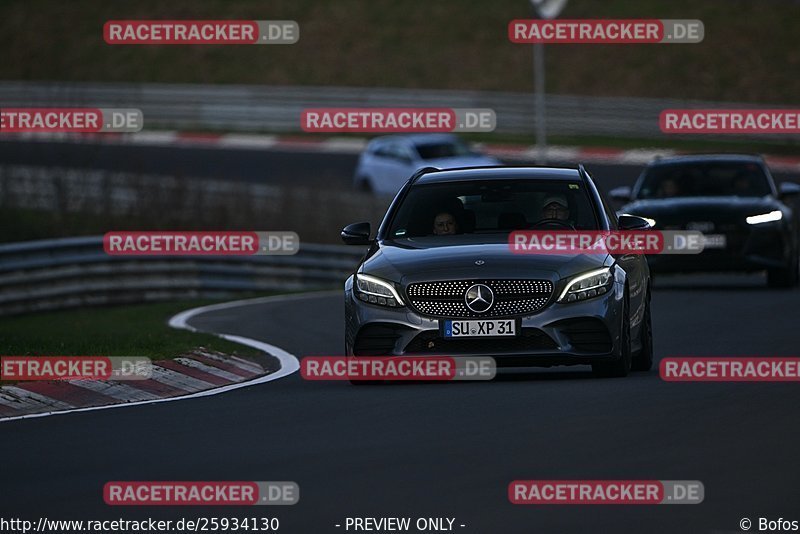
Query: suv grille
{"points": [[511, 297]]}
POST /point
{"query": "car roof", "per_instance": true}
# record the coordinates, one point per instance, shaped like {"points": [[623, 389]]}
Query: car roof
{"points": [[708, 158], [500, 173]]}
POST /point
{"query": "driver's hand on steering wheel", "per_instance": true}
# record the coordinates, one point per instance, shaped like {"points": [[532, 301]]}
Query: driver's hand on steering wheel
{"points": [[555, 223]]}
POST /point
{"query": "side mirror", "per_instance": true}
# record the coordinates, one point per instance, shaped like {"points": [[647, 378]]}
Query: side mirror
{"points": [[632, 222], [357, 233], [788, 190], [620, 194]]}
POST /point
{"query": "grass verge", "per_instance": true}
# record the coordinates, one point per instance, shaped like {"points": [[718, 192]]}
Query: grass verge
{"points": [[130, 330]]}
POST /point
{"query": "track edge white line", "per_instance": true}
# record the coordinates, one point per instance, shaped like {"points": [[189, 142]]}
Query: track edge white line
{"points": [[288, 362]]}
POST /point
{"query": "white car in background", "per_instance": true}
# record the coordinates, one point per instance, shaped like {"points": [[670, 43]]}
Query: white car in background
{"points": [[389, 161]]}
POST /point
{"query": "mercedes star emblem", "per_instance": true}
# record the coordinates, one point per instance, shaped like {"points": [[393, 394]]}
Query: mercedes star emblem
{"points": [[479, 262], [479, 298]]}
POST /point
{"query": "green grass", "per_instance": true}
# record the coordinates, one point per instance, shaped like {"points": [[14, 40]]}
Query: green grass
{"points": [[749, 54], [131, 330]]}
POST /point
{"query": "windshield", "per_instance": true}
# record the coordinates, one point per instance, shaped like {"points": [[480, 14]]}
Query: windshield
{"points": [[704, 180], [491, 207], [442, 150]]}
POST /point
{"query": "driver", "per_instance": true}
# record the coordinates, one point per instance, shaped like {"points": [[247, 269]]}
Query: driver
{"points": [[445, 224], [555, 207], [669, 188]]}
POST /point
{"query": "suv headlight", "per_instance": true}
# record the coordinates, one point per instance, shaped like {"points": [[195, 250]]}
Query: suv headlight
{"points": [[772, 216], [587, 285], [376, 291]]}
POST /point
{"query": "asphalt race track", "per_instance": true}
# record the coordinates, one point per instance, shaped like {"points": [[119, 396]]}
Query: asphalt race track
{"points": [[449, 450], [430, 450]]}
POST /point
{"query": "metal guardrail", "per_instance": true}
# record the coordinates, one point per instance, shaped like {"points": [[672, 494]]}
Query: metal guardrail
{"points": [[61, 273], [278, 108]]}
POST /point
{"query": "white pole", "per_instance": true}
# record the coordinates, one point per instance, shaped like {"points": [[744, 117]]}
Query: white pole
{"points": [[545, 9], [539, 103]]}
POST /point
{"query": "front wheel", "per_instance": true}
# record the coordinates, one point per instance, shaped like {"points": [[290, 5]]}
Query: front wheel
{"points": [[621, 366], [784, 277]]}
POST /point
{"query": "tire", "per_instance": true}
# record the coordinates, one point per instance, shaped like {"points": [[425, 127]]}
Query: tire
{"points": [[643, 360], [621, 366], [784, 277]]}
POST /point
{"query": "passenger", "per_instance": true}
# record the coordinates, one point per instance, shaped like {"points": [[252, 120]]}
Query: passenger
{"points": [[445, 224]]}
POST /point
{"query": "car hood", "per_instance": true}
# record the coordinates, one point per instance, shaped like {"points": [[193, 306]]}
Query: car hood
{"points": [[454, 258], [718, 209], [476, 160]]}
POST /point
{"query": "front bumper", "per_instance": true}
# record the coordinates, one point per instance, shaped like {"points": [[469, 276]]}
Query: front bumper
{"points": [[577, 333]]}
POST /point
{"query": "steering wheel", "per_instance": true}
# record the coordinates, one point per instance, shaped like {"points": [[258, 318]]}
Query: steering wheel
{"points": [[550, 223]]}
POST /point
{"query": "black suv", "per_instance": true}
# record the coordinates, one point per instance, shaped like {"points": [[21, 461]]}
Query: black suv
{"points": [[747, 221]]}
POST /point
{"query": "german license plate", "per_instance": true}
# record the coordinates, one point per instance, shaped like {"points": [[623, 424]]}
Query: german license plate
{"points": [[714, 241], [479, 328]]}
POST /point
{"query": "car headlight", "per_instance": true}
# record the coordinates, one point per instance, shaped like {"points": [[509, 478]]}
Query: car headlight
{"points": [[772, 216], [651, 222], [376, 291], [587, 285]]}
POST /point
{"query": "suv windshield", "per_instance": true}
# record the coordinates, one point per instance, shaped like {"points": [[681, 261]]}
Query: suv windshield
{"points": [[491, 207], [704, 180], [442, 150]]}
